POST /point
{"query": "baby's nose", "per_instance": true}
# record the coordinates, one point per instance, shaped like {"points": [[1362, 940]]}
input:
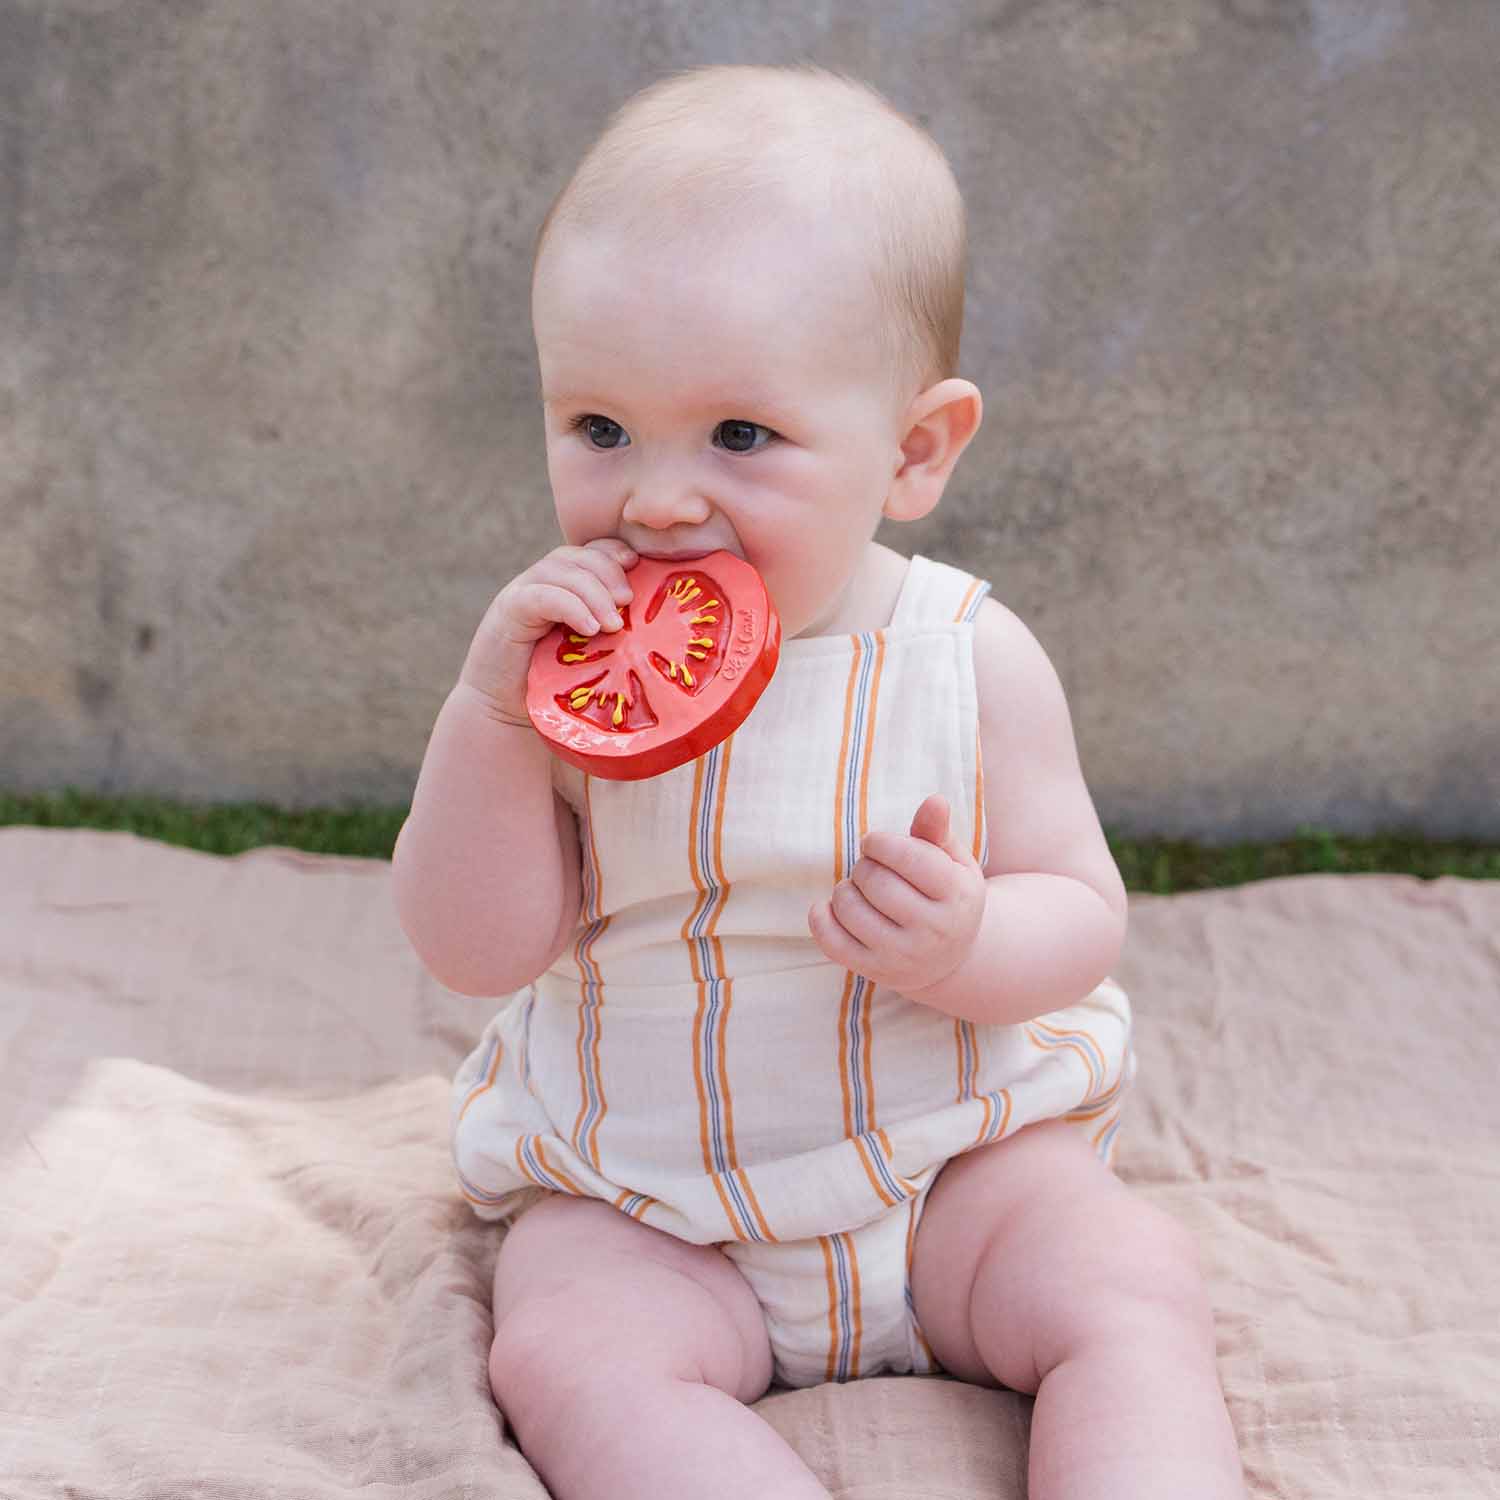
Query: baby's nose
{"points": [[660, 502]]}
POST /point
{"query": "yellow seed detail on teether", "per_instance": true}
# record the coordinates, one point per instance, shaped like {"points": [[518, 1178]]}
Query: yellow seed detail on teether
{"points": [[603, 703], [691, 640]]}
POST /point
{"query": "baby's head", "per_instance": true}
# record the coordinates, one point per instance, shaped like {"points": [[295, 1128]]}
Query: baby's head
{"points": [[747, 303]]}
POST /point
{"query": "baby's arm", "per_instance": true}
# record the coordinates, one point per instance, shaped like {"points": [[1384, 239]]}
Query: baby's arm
{"points": [[486, 867], [1055, 906]]}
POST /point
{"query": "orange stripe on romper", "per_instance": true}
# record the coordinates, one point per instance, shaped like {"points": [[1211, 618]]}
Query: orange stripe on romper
{"points": [[592, 899], [862, 1147], [527, 1173], [856, 1309], [705, 896], [722, 878], [850, 1129], [979, 818], [911, 1246], [867, 1161], [639, 1211], [965, 1037], [1066, 1044], [844, 860], [692, 947], [588, 1147], [1099, 1103], [825, 1241], [717, 948], [864, 770], [867, 1046], [831, 1283], [557, 1172], [968, 595], [489, 1079], [988, 1100], [839, 866], [853, 1128]]}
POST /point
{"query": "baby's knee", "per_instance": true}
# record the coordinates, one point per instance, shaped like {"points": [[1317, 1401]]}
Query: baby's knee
{"points": [[1149, 1272], [558, 1351], [542, 1358]]}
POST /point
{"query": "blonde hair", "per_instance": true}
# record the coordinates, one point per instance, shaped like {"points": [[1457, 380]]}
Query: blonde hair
{"points": [[706, 148]]}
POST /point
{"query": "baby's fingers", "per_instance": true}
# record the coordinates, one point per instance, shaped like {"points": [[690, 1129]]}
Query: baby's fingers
{"points": [[607, 558], [594, 579], [539, 606], [601, 598], [893, 895], [860, 919], [835, 940], [916, 861]]}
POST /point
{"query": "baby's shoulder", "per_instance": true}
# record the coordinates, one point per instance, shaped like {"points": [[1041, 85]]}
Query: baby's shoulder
{"points": [[1003, 639], [1014, 678], [1037, 807]]}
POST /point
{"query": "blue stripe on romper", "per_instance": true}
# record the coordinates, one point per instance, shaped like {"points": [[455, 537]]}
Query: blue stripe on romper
{"points": [[538, 1171], [862, 987], [846, 1328], [1053, 1038], [712, 770], [896, 1188], [859, 1000], [477, 1193], [592, 1113], [969, 1053]]}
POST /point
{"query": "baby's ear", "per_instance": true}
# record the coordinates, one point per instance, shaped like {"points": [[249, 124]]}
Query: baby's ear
{"points": [[939, 424]]}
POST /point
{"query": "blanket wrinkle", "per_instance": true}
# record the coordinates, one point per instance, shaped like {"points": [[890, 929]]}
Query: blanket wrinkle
{"points": [[1263, 1217], [234, 1260]]}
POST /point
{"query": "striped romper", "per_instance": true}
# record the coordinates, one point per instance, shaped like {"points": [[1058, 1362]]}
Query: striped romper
{"points": [[694, 1059]]}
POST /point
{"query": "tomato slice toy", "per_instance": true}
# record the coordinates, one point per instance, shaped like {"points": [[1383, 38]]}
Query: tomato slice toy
{"points": [[700, 642]]}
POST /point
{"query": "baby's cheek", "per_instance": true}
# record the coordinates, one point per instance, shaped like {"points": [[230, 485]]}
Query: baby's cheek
{"points": [[585, 509]]}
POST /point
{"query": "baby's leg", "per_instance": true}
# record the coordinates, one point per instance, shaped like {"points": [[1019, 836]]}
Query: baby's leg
{"points": [[1037, 1268], [622, 1359]]}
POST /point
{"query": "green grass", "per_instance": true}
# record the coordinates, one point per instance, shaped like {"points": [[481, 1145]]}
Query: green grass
{"points": [[1158, 866], [1165, 866], [217, 827]]}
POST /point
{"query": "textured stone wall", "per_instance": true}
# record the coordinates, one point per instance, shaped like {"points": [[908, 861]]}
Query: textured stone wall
{"points": [[269, 441]]}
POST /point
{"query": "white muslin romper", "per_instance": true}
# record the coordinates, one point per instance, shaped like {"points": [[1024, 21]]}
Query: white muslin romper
{"points": [[694, 1059]]}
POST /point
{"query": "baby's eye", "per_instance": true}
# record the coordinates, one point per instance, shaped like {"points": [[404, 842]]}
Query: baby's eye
{"points": [[600, 431], [739, 437]]}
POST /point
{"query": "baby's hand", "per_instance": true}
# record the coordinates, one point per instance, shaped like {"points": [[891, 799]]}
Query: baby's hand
{"points": [[909, 912], [581, 587]]}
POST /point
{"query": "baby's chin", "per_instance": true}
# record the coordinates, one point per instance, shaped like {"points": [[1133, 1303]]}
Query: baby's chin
{"points": [[821, 618]]}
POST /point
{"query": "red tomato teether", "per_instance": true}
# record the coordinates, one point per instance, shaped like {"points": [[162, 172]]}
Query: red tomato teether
{"points": [[699, 644]]}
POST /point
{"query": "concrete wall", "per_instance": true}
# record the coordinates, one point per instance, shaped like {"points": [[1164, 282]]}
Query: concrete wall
{"points": [[268, 442]]}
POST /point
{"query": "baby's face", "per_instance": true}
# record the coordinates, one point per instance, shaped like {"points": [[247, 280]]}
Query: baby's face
{"points": [[737, 400]]}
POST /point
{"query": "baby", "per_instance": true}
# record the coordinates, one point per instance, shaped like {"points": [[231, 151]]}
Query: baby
{"points": [[810, 1065]]}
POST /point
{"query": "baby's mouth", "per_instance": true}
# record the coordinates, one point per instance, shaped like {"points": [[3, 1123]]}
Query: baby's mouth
{"points": [[684, 554]]}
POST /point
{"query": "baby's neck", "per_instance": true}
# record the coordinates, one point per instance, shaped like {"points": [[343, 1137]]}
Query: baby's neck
{"points": [[870, 598]]}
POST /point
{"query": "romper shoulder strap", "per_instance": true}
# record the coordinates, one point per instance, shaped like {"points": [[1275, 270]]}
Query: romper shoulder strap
{"points": [[937, 593]]}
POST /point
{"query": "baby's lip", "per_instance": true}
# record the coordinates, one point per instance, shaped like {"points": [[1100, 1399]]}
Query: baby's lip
{"points": [[661, 556]]}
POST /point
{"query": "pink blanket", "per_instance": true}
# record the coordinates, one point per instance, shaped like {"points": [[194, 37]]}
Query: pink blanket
{"points": [[234, 1263]]}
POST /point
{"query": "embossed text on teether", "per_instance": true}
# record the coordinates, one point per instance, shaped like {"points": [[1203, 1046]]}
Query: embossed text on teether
{"points": [[743, 650]]}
